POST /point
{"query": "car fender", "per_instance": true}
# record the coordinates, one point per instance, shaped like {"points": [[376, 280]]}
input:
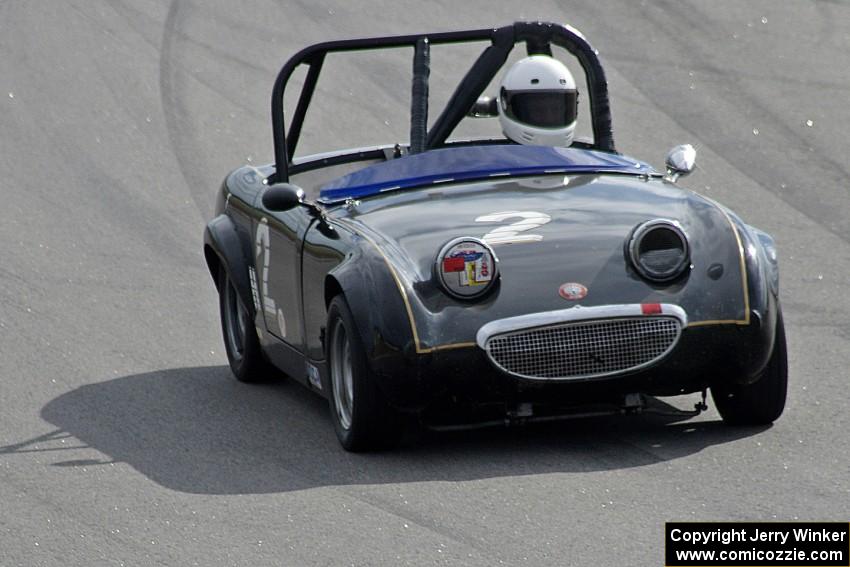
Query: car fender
{"points": [[378, 296], [763, 289], [224, 247], [379, 309], [768, 257]]}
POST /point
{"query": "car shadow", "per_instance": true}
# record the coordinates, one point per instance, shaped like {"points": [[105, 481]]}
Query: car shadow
{"points": [[197, 430]]}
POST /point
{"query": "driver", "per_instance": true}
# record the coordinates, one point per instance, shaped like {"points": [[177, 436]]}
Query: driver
{"points": [[538, 102]]}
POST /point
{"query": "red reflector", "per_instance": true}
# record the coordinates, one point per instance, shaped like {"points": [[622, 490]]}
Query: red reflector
{"points": [[454, 264], [650, 308]]}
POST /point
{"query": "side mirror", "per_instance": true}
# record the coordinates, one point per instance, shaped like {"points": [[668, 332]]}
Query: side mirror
{"points": [[484, 107], [680, 161], [283, 197]]}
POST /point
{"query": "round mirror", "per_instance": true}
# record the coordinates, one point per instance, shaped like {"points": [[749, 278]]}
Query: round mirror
{"points": [[283, 197], [681, 160]]}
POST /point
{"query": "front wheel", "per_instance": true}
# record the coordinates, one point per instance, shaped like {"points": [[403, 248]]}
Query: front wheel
{"points": [[362, 418], [763, 401], [240, 338]]}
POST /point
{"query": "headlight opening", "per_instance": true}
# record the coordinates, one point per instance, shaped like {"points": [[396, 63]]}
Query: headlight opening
{"points": [[658, 249]]}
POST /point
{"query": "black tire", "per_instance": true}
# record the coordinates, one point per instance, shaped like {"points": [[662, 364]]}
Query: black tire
{"points": [[763, 401], [362, 419], [240, 337]]}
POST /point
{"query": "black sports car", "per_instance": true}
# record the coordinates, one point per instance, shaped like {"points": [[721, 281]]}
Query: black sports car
{"points": [[470, 282]]}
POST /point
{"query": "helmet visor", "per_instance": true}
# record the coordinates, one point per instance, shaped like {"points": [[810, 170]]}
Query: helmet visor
{"points": [[543, 109]]}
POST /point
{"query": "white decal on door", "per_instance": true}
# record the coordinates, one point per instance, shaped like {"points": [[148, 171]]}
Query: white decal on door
{"points": [[513, 233], [262, 247]]}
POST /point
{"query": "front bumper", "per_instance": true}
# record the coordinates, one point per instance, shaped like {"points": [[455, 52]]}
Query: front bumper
{"points": [[703, 355]]}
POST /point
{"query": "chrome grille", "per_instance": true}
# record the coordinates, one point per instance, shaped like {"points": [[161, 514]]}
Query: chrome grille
{"points": [[585, 349]]}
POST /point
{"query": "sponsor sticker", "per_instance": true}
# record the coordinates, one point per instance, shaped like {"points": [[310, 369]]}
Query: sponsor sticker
{"points": [[456, 264], [473, 266], [313, 376], [572, 291], [255, 295], [650, 308], [466, 267]]}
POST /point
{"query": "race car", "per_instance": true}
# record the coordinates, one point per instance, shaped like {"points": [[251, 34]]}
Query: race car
{"points": [[458, 283]]}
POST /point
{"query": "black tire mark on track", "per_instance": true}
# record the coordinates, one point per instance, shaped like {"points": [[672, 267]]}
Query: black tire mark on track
{"points": [[201, 188], [172, 110]]}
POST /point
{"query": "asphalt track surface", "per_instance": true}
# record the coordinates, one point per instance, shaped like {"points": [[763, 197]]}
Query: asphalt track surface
{"points": [[125, 441]]}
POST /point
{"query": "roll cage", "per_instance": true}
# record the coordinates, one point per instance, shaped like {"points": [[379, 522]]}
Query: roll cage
{"points": [[538, 37]]}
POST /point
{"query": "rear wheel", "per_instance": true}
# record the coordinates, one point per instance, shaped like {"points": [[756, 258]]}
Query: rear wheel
{"points": [[362, 418], [763, 401], [240, 337]]}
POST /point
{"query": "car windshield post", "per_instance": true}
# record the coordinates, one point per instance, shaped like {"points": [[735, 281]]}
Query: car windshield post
{"points": [[419, 96], [303, 102]]}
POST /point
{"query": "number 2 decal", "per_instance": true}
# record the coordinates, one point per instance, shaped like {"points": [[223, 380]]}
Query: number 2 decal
{"points": [[262, 243], [513, 233]]}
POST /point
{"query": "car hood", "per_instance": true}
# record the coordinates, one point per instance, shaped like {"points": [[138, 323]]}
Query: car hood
{"points": [[578, 228]]}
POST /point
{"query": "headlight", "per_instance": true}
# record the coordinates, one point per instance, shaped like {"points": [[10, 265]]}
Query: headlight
{"points": [[466, 267], [658, 249]]}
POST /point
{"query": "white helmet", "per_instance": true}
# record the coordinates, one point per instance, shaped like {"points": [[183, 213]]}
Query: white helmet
{"points": [[538, 102]]}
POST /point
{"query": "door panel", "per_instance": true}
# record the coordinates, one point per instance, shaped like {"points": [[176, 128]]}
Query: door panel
{"points": [[277, 258]]}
